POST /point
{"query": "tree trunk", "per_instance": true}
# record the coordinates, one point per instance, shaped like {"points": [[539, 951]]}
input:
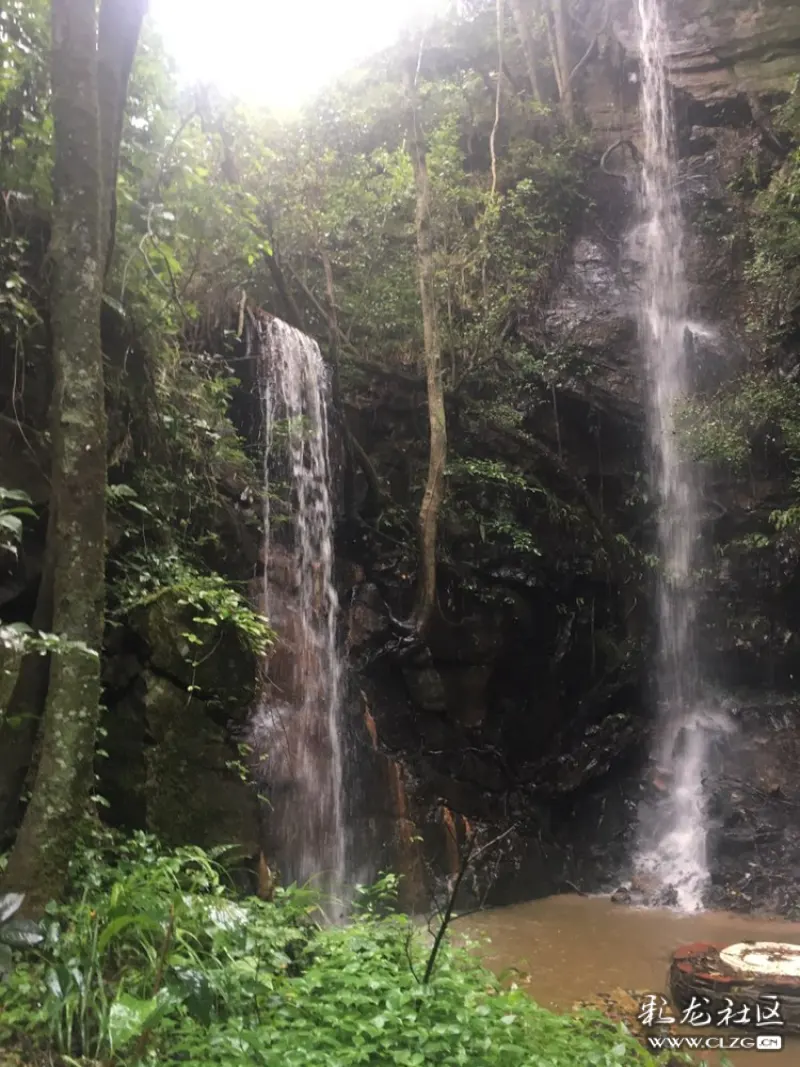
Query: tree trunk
{"points": [[498, 95], [434, 487], [562, 58], [117, 37], [528, 47], [39, 861]]}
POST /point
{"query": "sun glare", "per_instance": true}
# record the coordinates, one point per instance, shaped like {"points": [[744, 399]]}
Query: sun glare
{"points": [[280, 53]]}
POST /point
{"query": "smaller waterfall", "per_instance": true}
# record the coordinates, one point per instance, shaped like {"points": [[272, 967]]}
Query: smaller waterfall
{"points": [[297, 728]]}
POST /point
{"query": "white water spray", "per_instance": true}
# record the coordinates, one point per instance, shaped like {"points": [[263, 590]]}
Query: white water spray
{"points": [[671, 862], [297, 728]]}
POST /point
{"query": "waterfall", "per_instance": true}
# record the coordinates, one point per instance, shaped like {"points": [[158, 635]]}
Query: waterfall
{"points": [[297, 729], [671, 860]]}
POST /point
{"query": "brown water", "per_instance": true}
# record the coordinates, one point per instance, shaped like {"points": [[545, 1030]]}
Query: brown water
{"points": [[570, 948]]}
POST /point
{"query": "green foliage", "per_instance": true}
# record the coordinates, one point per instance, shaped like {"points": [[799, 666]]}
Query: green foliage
{"points": [[217, 201], [492, 498], [787, 520], [753, 413], [723, 428], [154, 960], [14, 504], [148, 575], [18, 639], [25, 122], [752, 542], [18, 311], [774, 268]]}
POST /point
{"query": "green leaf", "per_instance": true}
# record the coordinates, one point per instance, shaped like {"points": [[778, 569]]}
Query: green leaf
{"points": [[121, 923], [129, 1016], [199, 996], [21, 933], [18, 495], [12, 524], [10, 903], [53, 984]]}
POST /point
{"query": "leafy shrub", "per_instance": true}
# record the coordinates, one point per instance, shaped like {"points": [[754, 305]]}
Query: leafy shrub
{"points": [[149, 574], [722, 428], [155, 960]]}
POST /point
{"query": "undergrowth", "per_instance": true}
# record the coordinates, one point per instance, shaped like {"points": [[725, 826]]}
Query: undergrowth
{"points": [[155, 959]]}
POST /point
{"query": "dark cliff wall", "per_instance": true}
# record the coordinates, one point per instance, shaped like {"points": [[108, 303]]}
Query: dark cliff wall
{"points": [[532, 708]]}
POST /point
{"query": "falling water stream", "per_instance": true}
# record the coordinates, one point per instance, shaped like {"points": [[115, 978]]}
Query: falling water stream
{"points": [[671, 859], [297, 727]]}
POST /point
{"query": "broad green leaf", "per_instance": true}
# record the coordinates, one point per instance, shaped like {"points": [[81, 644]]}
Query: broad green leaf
{"points": [[21, 933], [129, 1016], [10, 903], [121, 923], [11, 524]]}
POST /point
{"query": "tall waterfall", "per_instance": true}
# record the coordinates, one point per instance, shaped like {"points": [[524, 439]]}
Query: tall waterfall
{"points": [[297, 729], [671, 860]]}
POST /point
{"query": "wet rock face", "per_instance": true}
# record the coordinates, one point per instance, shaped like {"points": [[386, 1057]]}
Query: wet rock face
{"points": [[594, 309], [171, 768], [176, 717], [723, 48], [755, 808]]}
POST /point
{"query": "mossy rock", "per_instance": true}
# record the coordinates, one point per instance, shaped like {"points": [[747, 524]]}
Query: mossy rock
{"points": [[193, 790], [220, 668]]}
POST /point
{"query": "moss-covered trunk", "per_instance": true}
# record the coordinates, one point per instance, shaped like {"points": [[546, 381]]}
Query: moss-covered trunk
{"points": [[39, 861]]}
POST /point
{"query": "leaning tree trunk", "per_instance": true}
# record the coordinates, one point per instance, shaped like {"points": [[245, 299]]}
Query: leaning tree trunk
{"points": [[525, 35], [434, 487], [39, 862]]}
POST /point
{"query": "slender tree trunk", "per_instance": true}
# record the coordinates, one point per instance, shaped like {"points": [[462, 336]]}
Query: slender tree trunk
{"points": [[80, 241], [528, 47], [434, 487], [120, 24], [562, 58], [498, 94]]}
